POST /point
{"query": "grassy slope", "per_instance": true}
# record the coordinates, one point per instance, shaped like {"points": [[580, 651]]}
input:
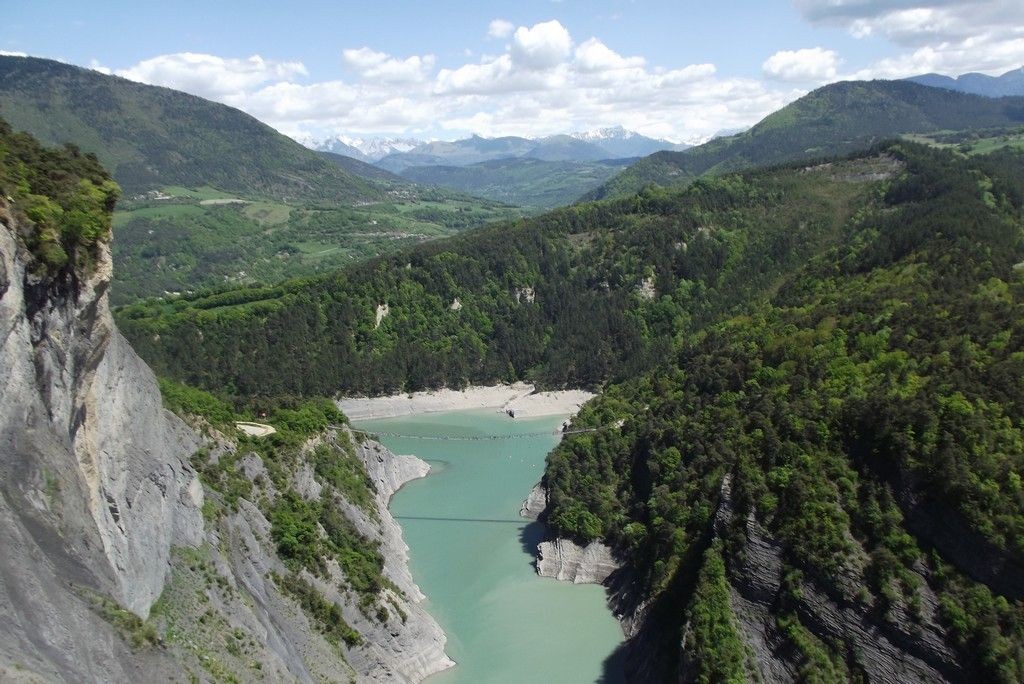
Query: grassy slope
{"points": [[835, 119], [152, 137], [181, 244]]}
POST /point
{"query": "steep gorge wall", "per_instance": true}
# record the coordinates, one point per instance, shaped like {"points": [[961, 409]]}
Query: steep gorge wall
{"points": [[898, 649], [110, 573], [79, 405], [95, 487], [245, 596]]}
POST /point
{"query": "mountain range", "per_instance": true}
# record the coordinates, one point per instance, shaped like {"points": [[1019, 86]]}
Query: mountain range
{"points": [[363, 149], [398, 154], [523, 181], [1009, 84], [535, 173], [834, 119]]}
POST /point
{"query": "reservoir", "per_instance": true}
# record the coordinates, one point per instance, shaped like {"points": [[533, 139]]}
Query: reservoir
{"points": [[472, 555]]}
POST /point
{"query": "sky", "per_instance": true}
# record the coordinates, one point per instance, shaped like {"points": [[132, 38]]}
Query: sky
{"points": [[677, 70]]}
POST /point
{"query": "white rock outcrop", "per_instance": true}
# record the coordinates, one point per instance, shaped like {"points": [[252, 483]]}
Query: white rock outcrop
{"points": [[565, 560], [535, 503], [380, 314]]}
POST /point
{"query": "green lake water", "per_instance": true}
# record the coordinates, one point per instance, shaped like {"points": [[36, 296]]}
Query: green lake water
{"points": [[472, 555]]}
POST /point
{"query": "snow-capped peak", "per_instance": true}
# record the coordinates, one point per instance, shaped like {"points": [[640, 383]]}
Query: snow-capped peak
{"points": [[609, 133], [370, 148], [376, 148]]}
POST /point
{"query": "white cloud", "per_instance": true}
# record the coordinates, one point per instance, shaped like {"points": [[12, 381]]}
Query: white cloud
{"points": [[209, 75], [369, 64], [948, 36], [12, 53], [541, 46], [541, 82], [295, 102], [593, 55], [95, 65], [499, 28], [810, 65], [688, 74]]}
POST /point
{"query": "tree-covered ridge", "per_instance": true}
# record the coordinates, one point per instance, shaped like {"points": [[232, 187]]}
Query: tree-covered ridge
{"points": [[835, 119], [62, 198], [571, 298], [152, 137], [869, 415]]}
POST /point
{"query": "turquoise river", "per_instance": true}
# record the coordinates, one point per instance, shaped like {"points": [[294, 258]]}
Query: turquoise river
{"points": [[472, 555]]}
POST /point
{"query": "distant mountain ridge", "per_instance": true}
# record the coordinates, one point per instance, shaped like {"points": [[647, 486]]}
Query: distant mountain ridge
{"points": [[1009, 84], [153, 137], [398, 154], [621, 143], [835, 119]]}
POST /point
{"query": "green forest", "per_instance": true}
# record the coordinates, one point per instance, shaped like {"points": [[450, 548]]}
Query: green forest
{"points": [[65, 199], [875, 392]]}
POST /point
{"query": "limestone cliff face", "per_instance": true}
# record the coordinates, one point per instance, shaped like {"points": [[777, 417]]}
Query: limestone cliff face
{"points": [[95, 483], [109, 571]]}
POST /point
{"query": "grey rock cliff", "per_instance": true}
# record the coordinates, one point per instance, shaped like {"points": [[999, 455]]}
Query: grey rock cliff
{"points": [[564, 559], [406, 647], [95, 487], [110, 571], [535, 503]]}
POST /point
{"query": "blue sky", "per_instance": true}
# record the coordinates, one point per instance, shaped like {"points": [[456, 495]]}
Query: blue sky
{"points": [[680, 70]]}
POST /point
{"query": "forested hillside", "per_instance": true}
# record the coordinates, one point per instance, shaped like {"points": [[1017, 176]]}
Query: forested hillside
{"points": [[818, 376], [570, 298], [834, 119], [869, 416], [63, 199]]}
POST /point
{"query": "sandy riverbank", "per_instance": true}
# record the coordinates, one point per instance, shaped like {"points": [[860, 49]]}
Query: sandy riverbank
{"points": [[520, 398]]}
